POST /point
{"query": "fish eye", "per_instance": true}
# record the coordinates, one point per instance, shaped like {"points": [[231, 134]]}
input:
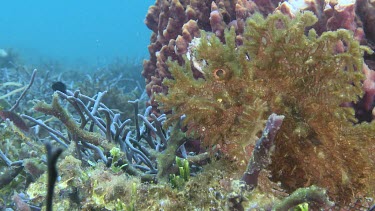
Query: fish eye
{"points": [[219, 73]]}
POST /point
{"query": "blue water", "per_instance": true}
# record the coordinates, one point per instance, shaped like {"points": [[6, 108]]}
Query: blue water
{"points": [[75, 31]]}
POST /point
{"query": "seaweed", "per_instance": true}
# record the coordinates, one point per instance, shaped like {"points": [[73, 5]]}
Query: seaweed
{"points": [[282, 67]]}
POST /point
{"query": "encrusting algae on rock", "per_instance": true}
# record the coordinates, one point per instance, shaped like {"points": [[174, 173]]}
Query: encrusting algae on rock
{"points": [[280, 69]]}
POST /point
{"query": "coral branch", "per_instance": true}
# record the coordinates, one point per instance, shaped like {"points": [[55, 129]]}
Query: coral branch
{"points": [[8, 161], [24, 91], [316, 197], [60, 113], [49, 129], [97, 150], [167, 158]]}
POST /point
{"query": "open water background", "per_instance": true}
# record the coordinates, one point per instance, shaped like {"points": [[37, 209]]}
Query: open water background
{"points": [[75, 32]]}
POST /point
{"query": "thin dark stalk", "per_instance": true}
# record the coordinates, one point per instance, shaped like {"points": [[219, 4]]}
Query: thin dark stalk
{"points": [[52, 156], [136, 110]]}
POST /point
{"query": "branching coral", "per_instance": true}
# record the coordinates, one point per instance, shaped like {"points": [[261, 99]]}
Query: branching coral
{"points": [[280, 69], [60, 113]]}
